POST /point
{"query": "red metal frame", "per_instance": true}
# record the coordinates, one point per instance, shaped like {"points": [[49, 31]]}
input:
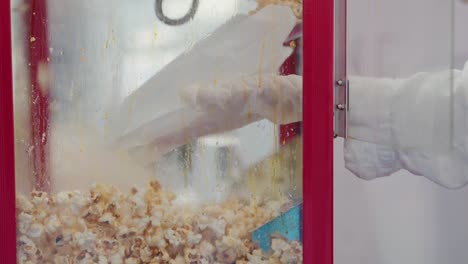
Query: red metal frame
{"points": [[318, 131], [39, 61], [7, 145]]}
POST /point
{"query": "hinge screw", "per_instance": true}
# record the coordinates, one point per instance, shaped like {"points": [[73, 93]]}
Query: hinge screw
{"points": [[341, 107]]}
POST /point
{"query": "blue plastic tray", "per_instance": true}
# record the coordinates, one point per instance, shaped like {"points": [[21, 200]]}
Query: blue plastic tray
{"points": [[288, 225]]}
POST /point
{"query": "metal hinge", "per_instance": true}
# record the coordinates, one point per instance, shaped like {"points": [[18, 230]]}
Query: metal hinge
{"points": [[341, 85], [341, 107]]}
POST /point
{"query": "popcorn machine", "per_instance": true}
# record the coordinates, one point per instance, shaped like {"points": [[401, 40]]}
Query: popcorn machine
{"points": [[166, 131], [202, 131]]}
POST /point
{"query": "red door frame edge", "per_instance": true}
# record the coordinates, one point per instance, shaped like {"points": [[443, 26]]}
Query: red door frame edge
{"points": [[37, 20], [318, 131], [7, 144]]}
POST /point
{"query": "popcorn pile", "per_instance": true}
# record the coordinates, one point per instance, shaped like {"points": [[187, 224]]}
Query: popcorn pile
{"points": [[295, 5], [144, 226]]}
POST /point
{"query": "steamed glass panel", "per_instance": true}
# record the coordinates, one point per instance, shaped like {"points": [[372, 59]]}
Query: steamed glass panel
{"points": [[81, 199]]}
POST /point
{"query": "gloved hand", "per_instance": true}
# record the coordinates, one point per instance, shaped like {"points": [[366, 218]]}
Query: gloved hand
{"points": [[406, 124], [230, 105], [273, 97]]}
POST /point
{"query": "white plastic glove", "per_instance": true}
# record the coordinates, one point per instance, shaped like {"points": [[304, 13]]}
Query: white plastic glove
{"points": [[273, 97], [231, 105], [405, 124]]}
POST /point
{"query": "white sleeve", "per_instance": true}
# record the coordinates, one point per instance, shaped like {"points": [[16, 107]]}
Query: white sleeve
{"points": [[407, 124]]}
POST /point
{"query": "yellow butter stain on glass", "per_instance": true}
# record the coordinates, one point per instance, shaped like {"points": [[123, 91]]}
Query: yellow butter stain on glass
{"points": [[275, 168], [278, 117], [276, 158], [260, 65], [110, 38], [252, 184], [245, 94], [113, 36], [106, 44]]}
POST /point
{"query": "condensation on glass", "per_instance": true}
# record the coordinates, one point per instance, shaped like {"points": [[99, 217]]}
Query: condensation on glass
{"points": [[82, 200]]}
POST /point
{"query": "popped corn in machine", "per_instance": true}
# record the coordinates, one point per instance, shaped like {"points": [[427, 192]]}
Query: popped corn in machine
{"points": [[141, 132]]}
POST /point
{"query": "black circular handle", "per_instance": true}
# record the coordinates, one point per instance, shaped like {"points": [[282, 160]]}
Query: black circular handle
{"points": [[178, 21]]}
